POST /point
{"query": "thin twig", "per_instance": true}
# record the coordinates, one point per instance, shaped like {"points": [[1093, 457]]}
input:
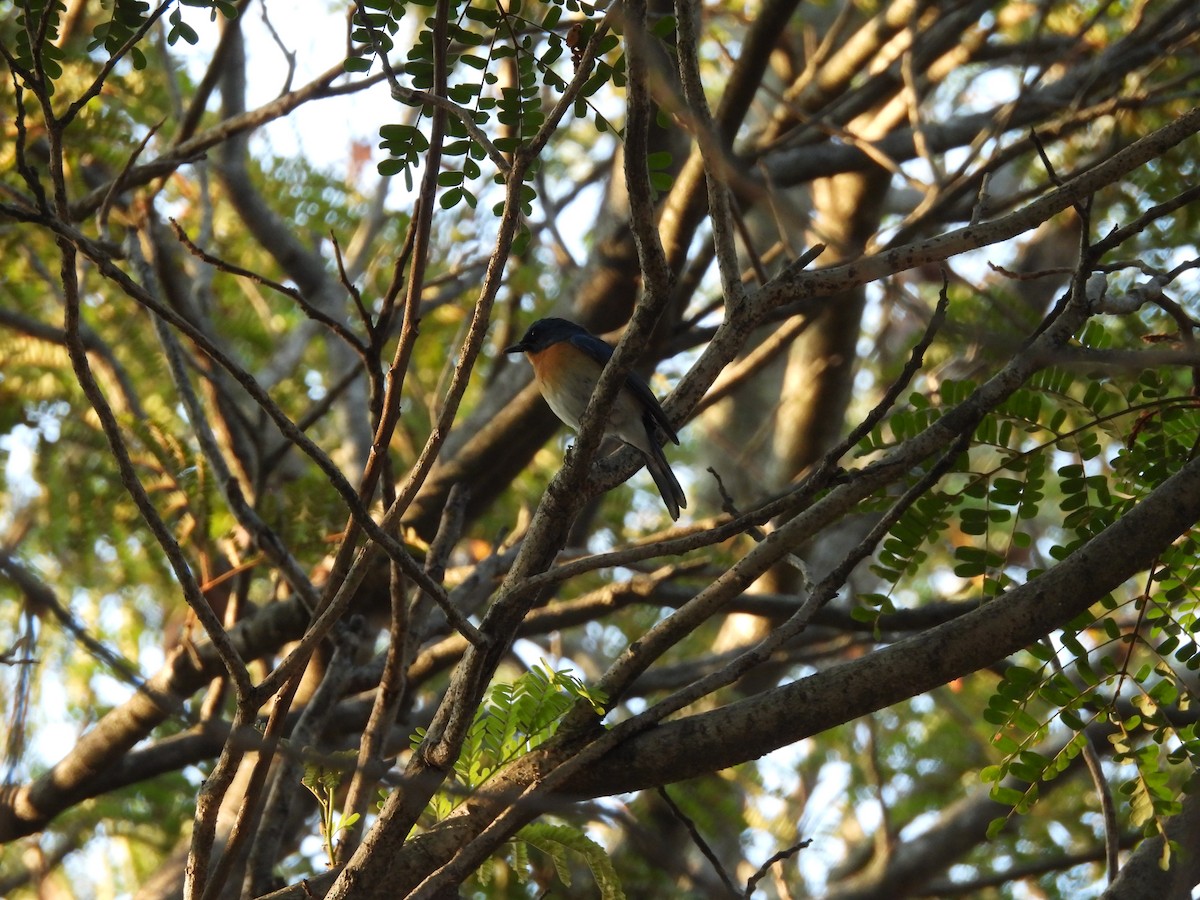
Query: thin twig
{"points": [[778, 856], [348, 284], [115, 187], [264, 536], [266, 827], [93, 90], [389, 695], [248, 809], [1095, 767], [77, 350], [208, 806], [774, 344], [289, 55], [44, 600], [1118, 236], [712, 152], [643, 215], [292, 293], [28, 174], [915, 360], [698, 840], [400, 266]]}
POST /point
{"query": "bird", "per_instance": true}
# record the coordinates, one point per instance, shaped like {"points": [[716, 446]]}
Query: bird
{"points": [[567, 360]]}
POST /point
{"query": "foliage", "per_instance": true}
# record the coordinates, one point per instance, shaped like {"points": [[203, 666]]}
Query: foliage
{"points": [[560, 842], [1128, 655], [515, 718], [501, 58], [323, 782]]}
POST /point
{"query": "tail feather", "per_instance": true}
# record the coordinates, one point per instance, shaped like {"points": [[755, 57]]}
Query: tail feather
{"points": [[665, 481]]}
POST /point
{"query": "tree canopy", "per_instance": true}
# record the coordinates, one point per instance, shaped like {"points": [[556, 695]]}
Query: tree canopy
{"points": [[304, 593]]}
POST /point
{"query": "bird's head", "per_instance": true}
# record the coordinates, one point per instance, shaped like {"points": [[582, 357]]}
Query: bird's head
{"points": [[545, 333]]}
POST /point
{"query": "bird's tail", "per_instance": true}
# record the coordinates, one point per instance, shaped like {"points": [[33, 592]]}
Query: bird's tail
{"points": [[665, 481]]}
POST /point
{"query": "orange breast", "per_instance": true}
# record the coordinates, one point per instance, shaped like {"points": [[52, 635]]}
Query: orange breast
{"points": [[561, 368], [548, 364], [566, 377]]}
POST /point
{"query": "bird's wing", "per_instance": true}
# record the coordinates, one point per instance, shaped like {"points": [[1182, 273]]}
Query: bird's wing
{"points": [[597, 349], [601, 352]]}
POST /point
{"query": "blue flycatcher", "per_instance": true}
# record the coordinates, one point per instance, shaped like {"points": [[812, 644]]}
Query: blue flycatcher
{"points": [[567, 360]]}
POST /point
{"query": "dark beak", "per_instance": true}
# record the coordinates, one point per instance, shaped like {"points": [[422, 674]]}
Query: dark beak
{"points": [[518, 347]]}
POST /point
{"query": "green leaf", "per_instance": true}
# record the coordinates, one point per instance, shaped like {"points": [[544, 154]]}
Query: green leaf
{"points": [[1005, 744], [663, 27], [558, 840], [390, 166], [1009, 796], [662, 181]]}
